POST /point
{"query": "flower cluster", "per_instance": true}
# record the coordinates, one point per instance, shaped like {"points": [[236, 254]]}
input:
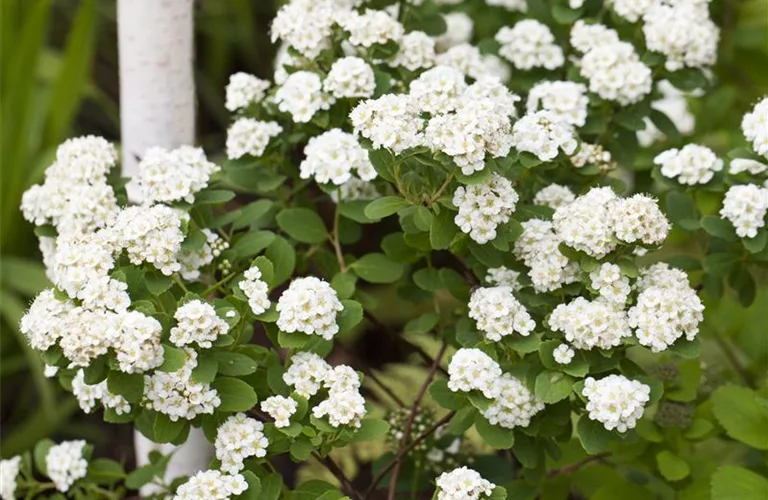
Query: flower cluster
{"points": [[691, 164], [192, 261], [309, 305], [335, 156], [212, 485], [754, 125], [238, 438], [371, 27], [616, 401], [472, 369], [247, 136], [305, 25], [350, 77], [197, 323], [168, 176], [498, 313], [391, 121], [538, 248], [9, 471], [463, 484], [302, 95], [593, 154], [355, 189], [243, 90], [613, 68], [306, 373], [344, 404], [530, 44], [567, 101], [608, 281], [667, 308], [65, 464], [88, 395], [554, 196], [514, 405], [175, 393], [587, 324], [544, 134], [483, 207], [255, 290], [745, 206], [563, 354], [501, 276], [280, 409], [683, 32]]}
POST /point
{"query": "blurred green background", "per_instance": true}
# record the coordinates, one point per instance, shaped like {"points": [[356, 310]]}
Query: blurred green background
{"points": [[59, 78]]}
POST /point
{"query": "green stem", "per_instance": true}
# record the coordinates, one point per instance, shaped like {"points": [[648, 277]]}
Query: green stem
{"points": [[218, 284], [180, 283]]}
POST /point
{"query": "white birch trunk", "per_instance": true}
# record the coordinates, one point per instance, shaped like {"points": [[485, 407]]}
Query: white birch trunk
{"points": [[157, 108]]}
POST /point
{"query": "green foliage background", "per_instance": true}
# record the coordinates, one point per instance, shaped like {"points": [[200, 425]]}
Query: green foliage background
{"points": [[58, 78]]}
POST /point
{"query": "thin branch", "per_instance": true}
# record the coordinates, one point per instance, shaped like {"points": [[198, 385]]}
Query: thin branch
{"points": [[411, 416], [440, 191], [421, 437], [567, 469], [338, 473]]}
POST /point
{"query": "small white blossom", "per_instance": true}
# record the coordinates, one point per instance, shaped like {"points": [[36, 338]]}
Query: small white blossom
{"points": [[416, 51], [530, 44], [341, 408], [305, 25], [514, 405], [43, 323], [463, 484], [563, 354], [616, 401], [355, 189], [544, 135], [739, 165], [211, 485], [745, 206], [683, 32], [538, 248], [310, 306], [166, 176], [459, 28], [566, 101], [586, 324], [674, 105], [754, 125], [392, 121], [301, 96], [437, 90], [585, 224], [371, 27], [243, 90], [335, 156], [279, 408], [498, 313], [306, 373], [256, 290], [608, 281], [238, 438], [197, 323], [510, 5], [65, 464], [483, 207], [250, 137], [350, 77], [638, 219], [593, 154], [501, 276], [692, 164], [9, 471], [472, 369], [554, 196], [88, 395]]}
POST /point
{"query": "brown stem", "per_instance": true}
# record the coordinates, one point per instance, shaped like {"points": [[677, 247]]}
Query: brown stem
{"points": [[440, 190], [400, 454], [338, 473], [567, 469], [411, 416]]}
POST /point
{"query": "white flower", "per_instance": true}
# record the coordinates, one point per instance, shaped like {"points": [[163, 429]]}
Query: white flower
{"points": [[176, 175], [371, 27], [243, 90], [86, 335], [211, 485], [197, 323], [256, 290], [692, 164], [306, 373], [392, 121], [416, 51], [739, 165], [682, 31], [192, 261], [462, 484], [608, 281], [510, 5], [65, 464], [566, 100], [588, 324], [745, 206], [459, 27], [175, 394], [554, 196], [585, 37], [667, 308], [138, 345], [9, 471], [335, 156], [585, 224], [355, 189], [472, 369], [530, 44], [238, 438], [501, 276], [305, 25], [538, 248], [471, 62], [616, 401], [279, 408], [543, 134], [437, 90], [341, 408], [754, 125], [43, 323], [514, 405], [301, 96], [88, 395], [639, 219], [631, 10], [350, 77], [498, 313], [250, 137], [483, 207], [563, 354], [309, 305], [593, 154]]}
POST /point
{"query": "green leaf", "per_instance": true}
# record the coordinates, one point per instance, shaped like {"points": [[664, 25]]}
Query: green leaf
{"points": [[271, 487], [283, 258], [105, 471], [462, 421], [252, 212], [720, 264], [234, 363], [252, 243], [681, 210], [235, 394], [428, 279], [303, 225], [254, 486], [384, 207], [194, 241], [173, 358], [422, 218], [141, 476], [301, 449], [350, 316], [486, 254], [443, 230], [718, 227], [213, 196], [166, 430], [423, 324], [370, 429], [445, 397], [266, 268], [672, 467], [552, 387], [498, 493], [756, 244], [377, 268], [593, 436], [344, 284], [206, 369], [157, 283], [665, 125], [128, 385], [40, 452], [494, 436], [738, 483], [743, 413]]}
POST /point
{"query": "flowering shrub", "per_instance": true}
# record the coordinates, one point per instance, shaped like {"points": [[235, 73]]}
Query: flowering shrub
{"points": [[488, 185]]}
